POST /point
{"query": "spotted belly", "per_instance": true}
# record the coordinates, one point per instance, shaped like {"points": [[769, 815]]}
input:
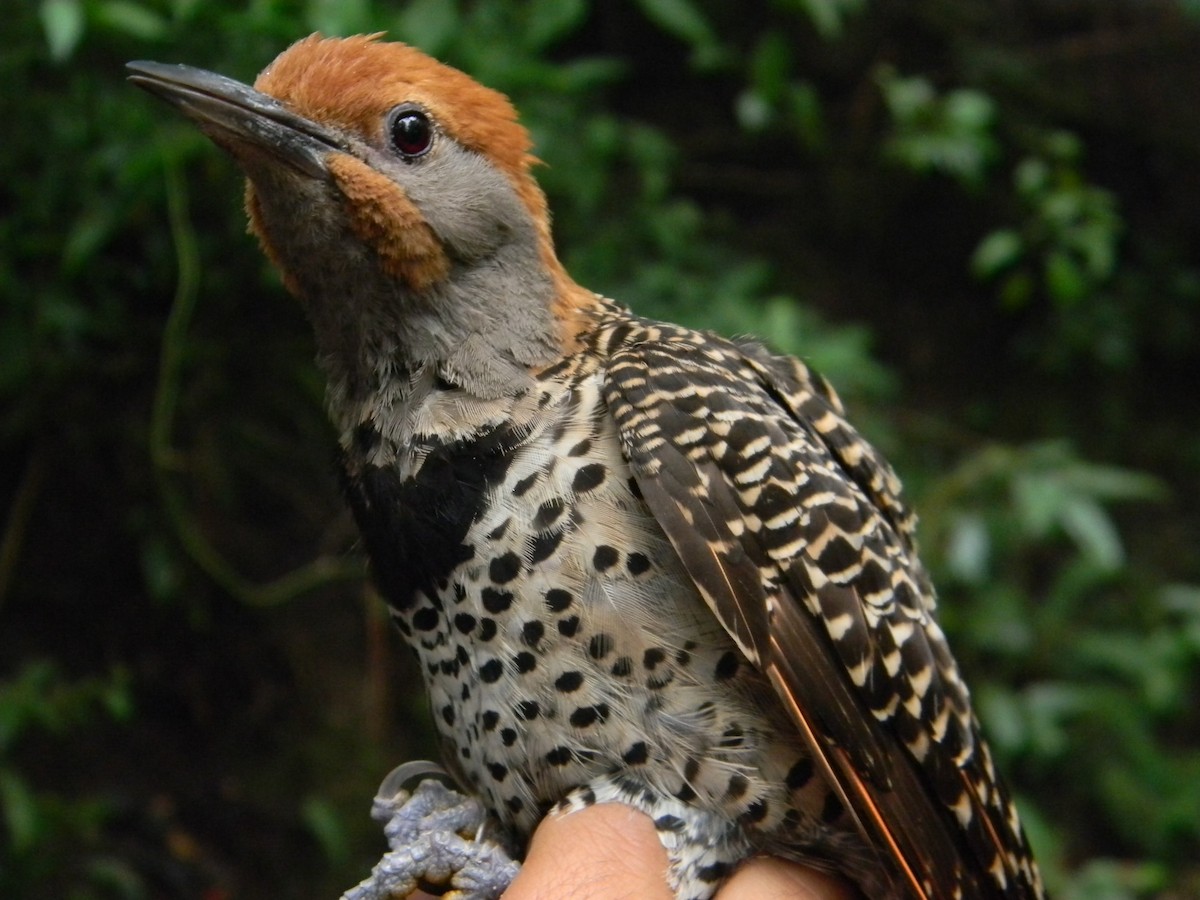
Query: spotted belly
{"points": [[567, 645]]}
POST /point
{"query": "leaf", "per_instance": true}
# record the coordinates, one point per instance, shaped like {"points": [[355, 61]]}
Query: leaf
{"points": [[131, 19], [429, 24], [1000, 711], [1038, 498], [1031, 178], [753, 112], [827, 15], [1065, 280], [683, 19], [549, 20], [968, 549], [998, 251], [322, 820], [1093, 531], [770, 65], [338, 17], [970, 109], [906, 98], [804, 105], [63, 22], [1050, 706], [20, 810]]}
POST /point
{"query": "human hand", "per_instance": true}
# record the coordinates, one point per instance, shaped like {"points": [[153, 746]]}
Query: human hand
{"points": [[611, 852]]}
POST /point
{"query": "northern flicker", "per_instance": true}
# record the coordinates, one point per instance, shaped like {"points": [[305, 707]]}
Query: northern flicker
{"points": [[637, 563]]}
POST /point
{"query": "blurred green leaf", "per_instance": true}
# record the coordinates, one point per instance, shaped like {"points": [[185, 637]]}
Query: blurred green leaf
{"points": [[132, 19], [1093, 531], [803, 102], [770, 66], [63, 22], [950, 134], [20, 811], [323, 821], [549, 20], [1032, 177], [827, 16], [685, 20], [339, 17], [997, 252], [968, 549], [429, 24]]}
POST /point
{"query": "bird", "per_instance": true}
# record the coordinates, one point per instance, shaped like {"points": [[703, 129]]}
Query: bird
{"points": [[636, 562]]}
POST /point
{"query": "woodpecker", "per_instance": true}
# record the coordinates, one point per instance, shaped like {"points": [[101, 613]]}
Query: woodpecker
{"points": [[637, 563]]}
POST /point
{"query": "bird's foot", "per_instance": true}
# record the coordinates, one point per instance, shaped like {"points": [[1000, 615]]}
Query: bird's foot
{"points": [[438, 839]]}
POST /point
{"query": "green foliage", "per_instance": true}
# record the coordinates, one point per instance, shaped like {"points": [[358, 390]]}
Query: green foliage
{"points": [[951, 135], [827, 16], [1006, 201], [49, 836], [1067, 241], [1092, 669]]}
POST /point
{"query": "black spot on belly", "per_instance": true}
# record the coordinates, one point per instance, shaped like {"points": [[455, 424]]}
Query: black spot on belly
{"points": [[425, 619], [491, 671], [637, 754], [527, 710], [504, 569], [605, 557], [600, 646], [541, 546], [637, 563], [588, 478], [532, 633], [586, 716], [568, 682], [799, 774], [727, 666], [548, 513], [495, 601], [558, 600]]}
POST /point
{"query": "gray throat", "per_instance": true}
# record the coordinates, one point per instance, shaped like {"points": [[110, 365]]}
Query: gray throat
{"points": [[482, 328]]}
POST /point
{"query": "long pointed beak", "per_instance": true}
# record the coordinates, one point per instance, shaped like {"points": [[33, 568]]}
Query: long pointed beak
{"points": [[233, 114]]}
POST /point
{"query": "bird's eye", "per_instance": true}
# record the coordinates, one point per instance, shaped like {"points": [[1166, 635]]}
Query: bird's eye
{"points": [[411, 133]]}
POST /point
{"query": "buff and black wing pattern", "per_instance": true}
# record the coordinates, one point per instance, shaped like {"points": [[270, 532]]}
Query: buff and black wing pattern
{"points": [[793, 529]]}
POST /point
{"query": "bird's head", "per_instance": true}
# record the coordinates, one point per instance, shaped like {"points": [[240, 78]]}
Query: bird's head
{"points": [[394, 194]]}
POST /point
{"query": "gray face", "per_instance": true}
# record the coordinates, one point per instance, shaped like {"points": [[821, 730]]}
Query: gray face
{"points": [[350, 215], [480, 325]]}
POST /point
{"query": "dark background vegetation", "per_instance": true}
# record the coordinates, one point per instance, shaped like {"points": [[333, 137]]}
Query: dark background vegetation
{"points": [[979, 218]]}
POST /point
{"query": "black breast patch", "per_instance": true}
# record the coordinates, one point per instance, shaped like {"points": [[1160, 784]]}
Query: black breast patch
{"points": [[414, 528]]}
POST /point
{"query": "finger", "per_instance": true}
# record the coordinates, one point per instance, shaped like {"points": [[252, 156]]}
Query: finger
{"points": [[765, 876], [605, 852]]}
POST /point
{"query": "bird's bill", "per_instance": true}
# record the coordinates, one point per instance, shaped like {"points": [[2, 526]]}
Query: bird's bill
{"points": [[234, 114]]}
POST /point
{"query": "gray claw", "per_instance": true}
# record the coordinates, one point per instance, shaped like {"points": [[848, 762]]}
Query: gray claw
{"points": [[436, 836]]}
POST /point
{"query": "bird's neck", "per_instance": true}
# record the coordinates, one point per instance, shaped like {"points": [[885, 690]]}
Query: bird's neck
{"points": [[471, 346]]}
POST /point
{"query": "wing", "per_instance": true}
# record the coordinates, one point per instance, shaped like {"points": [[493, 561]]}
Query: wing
{"points": [[793, 529]]}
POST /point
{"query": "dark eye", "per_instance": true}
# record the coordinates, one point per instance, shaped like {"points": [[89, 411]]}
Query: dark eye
{"points": [[411, 132]]}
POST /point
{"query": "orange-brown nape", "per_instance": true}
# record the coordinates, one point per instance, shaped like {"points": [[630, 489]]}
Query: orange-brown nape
{"points": [[352, 83]]}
